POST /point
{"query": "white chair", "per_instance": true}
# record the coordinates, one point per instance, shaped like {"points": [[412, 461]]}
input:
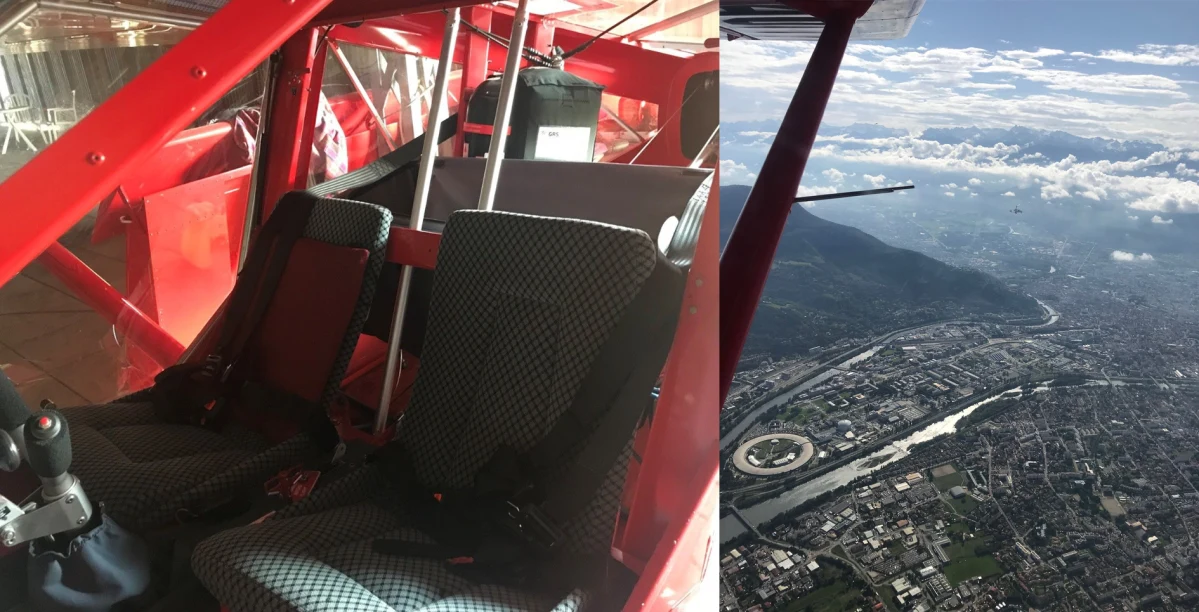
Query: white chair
{"points": [[18, 110], [60, 119]]}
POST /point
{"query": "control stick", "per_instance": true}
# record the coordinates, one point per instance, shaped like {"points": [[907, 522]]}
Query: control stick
{"points": [[63, 509], [48, 450]]}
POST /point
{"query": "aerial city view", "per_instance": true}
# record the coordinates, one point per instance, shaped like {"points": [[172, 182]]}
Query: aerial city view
{"points": [[979, 393]]}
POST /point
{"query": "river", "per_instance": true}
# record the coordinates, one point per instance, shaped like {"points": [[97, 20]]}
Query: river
{"points": [[730, 527], [1054, 315], [735, 433], [759, 513]]}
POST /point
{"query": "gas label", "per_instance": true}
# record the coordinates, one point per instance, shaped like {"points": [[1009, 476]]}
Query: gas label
{"points": [[559, 143]]}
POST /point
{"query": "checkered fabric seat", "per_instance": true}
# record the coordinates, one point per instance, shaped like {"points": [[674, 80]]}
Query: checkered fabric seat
{"points": [[519, 310], [147, 471]]}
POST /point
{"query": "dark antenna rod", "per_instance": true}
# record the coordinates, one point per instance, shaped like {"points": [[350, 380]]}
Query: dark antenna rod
{"points": [[850, 194]]}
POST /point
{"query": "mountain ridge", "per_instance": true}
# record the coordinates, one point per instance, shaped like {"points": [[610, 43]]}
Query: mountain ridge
{"points": [[832, 281]]}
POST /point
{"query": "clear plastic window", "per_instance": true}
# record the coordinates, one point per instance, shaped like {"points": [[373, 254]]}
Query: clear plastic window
{"points": [[624, 124], [166, 239], [396, 87]]}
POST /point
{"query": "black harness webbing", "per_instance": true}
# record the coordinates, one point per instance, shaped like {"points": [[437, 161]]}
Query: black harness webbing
{"points": [[507, 528]]}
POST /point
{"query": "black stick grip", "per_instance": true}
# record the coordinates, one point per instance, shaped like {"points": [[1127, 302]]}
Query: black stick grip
{"points": [[13, 410], [48, 444]]}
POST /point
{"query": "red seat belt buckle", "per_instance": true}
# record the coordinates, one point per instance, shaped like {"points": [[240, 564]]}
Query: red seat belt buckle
{"points": [[293, 484]]}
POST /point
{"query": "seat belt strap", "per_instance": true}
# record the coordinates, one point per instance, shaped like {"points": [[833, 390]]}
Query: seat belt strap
{"points": [[265, 264], [386, 165], [202, 386], [613, 397], [264, 269]]}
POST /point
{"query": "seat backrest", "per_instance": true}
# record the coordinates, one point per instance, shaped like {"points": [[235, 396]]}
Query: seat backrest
{"points": [[305, 339], [519, 311]]}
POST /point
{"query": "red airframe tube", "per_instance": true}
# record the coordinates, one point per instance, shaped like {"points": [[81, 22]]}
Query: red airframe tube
{"points": [[749, 253], [94, 291]]}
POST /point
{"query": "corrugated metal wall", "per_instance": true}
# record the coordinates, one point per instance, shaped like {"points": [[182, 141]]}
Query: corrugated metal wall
{"points": [[95, 74]]}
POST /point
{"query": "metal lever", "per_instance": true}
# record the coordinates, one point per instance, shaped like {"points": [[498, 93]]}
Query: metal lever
{"points": [[67, 512], [10, 452]]}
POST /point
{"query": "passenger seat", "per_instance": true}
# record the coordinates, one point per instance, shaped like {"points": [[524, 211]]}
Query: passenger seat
{"points": [[524, 314], [149, 472]]}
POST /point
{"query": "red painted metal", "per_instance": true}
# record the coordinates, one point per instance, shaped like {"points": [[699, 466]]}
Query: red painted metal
{"points": [[414, 248], [170, 166], [350, 11], [749, 252], [289, 129], [192, 234], [666, 148], [109, 303], [624, 69], [541, 35], [167, 96], [681, 576], [685, 424], [475, 64]]}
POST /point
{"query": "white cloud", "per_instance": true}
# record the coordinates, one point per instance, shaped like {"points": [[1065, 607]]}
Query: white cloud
{"points": [[875, 180], [974, 182], [1017, 54], [735, 173], [915, 88], [834, 175], [986, 86], [957, 86], [1160, 221], [1054, 192], [1126, 256], [1133, 217], [950, 194], [1100, 181], [804, 190], [1156, 55]]}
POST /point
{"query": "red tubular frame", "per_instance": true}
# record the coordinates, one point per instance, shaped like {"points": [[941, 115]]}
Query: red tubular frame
{"points": [[104, 299], [167, 96], [680, 448], [293, 118], [624, 70], [475, 60], [672, 501], [749, 252]]}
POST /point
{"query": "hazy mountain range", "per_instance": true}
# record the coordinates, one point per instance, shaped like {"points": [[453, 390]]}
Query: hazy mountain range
{"points": [[832, 281], [1121, 194]]}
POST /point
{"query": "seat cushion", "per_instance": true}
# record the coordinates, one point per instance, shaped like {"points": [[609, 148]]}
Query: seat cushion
{"points": [[145, 470], [324, 562]]}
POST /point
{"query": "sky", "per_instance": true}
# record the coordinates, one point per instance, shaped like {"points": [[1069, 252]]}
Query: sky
{"points": [[1125, 71]]}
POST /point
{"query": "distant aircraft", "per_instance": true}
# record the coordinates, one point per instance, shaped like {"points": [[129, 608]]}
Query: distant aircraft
{"points": [[1016, 210]]}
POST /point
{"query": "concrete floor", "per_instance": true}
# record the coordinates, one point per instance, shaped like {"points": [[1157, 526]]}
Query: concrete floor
{"points": [[52, 345]]}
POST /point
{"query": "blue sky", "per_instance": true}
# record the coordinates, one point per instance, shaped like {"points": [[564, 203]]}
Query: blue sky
{"points": [[1098, 24], [1094, 69]]}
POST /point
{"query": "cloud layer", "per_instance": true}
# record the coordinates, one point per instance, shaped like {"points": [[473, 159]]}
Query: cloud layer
{"points": [[1126, 256], [1123, 94]]}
